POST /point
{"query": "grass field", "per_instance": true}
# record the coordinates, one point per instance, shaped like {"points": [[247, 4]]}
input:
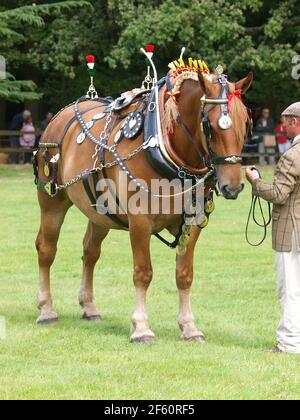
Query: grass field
{"points": [[234, 301]]}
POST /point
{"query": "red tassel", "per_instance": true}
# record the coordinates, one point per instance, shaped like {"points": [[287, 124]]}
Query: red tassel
{"points": [[90, 59], [150, 48]]}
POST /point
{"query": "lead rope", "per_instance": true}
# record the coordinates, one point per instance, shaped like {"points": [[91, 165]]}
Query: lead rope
{"points": [[264, 224]]}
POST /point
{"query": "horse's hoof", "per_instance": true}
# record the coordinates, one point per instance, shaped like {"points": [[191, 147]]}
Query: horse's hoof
{"points": [[147, 339], [86, 317], [198, 339], [47, 321]]}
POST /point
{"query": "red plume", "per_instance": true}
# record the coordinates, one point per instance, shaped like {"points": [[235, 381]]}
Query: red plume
{"points": [[150, 48], [90, 59]]}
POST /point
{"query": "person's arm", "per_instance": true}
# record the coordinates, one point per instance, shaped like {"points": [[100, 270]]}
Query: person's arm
{"points": [[286, 177], [259, 128]]}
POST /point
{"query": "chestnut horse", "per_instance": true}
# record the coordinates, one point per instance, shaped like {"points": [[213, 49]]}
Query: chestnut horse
{"points": [[75, 158]]}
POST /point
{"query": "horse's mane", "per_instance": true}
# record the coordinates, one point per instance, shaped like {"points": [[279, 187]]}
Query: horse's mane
{"points": [[239, 115], [171, 113]]}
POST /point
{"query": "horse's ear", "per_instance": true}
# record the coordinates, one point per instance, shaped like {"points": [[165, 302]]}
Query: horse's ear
{"points": [[205, 84], [245, 84]]}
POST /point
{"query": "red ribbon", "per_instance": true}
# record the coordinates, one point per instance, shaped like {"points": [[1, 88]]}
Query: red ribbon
{"points": [[236, 94]]}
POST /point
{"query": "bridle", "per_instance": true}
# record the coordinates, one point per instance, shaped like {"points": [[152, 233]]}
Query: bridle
{"points": [[224, 122]]}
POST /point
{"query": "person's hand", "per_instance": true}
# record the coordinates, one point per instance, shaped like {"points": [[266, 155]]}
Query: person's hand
{"points": [[252, 174]]}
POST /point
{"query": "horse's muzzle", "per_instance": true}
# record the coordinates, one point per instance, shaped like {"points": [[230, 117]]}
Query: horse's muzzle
{"points": [[231, 193]]}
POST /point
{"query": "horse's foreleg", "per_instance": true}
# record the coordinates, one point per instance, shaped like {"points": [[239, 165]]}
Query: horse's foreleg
{"points": [[184, 279], [53, 211], [92, 250], [140, 234]]}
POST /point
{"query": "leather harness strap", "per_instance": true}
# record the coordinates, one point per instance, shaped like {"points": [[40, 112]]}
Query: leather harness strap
{"points": [[172, 152], [90, 194], [73, 119]]}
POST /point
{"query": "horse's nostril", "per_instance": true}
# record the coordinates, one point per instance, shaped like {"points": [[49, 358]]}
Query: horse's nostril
{"points": [[231, 193], [224, 190]]}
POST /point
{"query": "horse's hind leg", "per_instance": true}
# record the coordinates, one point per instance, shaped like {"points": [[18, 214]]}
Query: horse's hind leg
{"points": [[92, 250], [53, 211], [184, 278]]}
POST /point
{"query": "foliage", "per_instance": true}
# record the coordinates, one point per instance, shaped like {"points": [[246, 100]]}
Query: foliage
{"points": [[221, 32], [17, 25], [18, 90], [258, 35]]}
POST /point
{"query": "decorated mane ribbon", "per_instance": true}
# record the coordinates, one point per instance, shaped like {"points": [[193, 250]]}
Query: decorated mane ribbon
{"points": [[180, 71], [173, 96], [197, 66], [236, 94]]}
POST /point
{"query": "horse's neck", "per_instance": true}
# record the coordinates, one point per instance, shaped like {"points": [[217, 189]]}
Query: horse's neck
{"points": [[189, 116]]}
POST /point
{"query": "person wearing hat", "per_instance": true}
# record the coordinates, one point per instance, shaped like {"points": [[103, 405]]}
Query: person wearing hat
{"points": [[284, 193]]}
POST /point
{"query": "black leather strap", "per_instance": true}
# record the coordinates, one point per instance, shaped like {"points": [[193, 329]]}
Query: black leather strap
{"points": [[88, 190], [172, 245], [193, 141]]}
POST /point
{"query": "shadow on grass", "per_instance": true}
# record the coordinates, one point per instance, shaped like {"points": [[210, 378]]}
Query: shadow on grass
{"points": [[227, 339], [107, 326]]}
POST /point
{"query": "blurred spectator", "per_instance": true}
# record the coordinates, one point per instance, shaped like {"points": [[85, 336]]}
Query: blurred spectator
{"points": [[16, 125], [265, 127], [45, 122], [256, 112], [43, 126], [282, 139], [28, 136]]}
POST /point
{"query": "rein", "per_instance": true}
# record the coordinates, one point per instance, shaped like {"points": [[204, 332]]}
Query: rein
{"points": [[265, 222]]}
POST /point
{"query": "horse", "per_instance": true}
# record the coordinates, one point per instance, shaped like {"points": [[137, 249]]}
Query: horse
{"points": [[195, 109]]}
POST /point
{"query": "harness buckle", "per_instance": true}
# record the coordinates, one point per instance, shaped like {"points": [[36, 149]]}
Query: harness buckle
{"points": [[152, 107], [183, 173], [51, 189], [234, 159]]}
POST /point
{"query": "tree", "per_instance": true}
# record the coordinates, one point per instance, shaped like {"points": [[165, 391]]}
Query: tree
{"points": [[250, 34], [257, 35], [17, 26]]}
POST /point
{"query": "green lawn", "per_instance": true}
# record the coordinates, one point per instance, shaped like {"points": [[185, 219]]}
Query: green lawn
{"points": [[234, 301]]}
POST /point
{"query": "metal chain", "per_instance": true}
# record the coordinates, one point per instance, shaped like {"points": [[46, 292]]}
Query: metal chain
{"points": [[110, 165], [73, 181], [103, 139], [98, 169]]}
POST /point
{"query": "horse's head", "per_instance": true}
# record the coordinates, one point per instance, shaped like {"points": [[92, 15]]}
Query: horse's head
{"points": [[225, 119]]}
